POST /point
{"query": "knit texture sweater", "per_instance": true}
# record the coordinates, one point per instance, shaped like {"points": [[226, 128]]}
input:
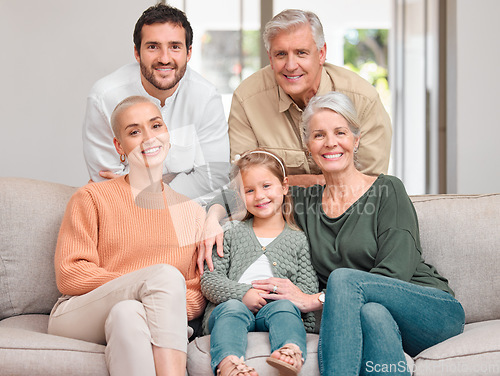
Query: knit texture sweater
{"points": [[106, 233], [288, 254]]}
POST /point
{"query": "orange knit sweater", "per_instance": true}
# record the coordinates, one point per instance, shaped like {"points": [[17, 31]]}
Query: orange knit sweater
{"points": [[105, 233]]}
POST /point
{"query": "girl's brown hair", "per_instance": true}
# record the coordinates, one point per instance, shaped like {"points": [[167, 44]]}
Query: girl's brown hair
{"points": [[262, 157]]}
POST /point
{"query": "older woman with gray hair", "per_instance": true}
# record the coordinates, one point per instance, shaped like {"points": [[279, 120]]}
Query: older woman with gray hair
{"points": [[379, 298]]}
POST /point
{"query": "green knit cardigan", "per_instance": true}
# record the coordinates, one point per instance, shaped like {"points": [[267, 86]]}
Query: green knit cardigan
{"points": [[288, 254]]}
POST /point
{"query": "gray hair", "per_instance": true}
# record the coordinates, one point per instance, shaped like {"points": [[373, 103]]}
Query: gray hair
{"points": [[122, 106], [334, 101], [290, 19]]}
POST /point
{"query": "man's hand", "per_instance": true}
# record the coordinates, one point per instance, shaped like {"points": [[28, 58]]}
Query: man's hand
{"points": [[108, 175], [253, 300]]}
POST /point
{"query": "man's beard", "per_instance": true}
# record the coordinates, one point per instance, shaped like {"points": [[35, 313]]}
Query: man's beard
{"points": [[148, 74]]}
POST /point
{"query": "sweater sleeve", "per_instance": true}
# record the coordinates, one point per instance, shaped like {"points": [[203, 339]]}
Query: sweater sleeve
{"points": [[195, 300], [76, 259], [216, 285], [307, 281], [399, 252]]}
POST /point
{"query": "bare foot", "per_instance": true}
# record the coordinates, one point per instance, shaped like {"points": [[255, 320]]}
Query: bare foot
{"points": [[233, 366]]}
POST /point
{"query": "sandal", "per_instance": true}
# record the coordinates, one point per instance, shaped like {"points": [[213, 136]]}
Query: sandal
{"points": [[235, 367], [286, 369]]}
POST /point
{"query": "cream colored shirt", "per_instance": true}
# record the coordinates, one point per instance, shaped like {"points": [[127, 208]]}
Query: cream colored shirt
{"points": [[263, 115]]}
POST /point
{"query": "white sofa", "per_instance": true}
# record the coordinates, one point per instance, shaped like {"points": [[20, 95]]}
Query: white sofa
{"points": [[460, 235]]}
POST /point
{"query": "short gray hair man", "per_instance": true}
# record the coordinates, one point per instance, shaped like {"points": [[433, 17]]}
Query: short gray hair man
{"points": [[288, 20]]}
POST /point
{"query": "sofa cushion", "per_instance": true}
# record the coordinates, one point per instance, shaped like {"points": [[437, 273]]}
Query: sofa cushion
{"points": [[24, 352], [32, 211], [474, 352], [460, 236], [34, 323]]}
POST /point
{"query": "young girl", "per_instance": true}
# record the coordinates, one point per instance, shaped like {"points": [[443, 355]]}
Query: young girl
{"points": [[267, 243]]}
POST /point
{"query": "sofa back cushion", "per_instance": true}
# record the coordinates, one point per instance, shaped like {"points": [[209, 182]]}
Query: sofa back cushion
{"points": [[30, 215], [460, 236]]}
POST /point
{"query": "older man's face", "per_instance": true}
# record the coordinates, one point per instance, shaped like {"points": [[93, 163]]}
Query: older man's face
{"points": [[297, 63]]}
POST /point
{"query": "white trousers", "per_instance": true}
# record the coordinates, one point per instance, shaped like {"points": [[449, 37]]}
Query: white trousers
{"points": [[128, 314]]}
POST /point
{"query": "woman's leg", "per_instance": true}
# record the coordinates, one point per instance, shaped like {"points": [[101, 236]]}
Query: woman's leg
{"points": [[169, 362], [161, 290], [282, 319], [128, 350], [424, 316], [382, 348], [229, 324]]}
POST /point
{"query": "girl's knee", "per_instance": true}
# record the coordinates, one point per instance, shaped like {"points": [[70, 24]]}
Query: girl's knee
{"points": [[284, 306], [231, 309]]}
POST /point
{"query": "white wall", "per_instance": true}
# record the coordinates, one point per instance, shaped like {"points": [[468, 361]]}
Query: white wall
{"points": [[474, 111], [52, 53]]}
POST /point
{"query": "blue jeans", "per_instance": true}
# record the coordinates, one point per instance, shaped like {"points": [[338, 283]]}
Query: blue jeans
{"points": [[370, 320], [230, 322]]}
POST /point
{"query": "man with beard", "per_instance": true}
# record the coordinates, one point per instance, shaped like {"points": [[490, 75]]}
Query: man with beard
{"points": [[198, 161]]}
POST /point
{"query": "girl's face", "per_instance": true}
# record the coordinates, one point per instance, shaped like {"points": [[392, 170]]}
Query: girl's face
{"points": [[144, 137], [331, 142], [263, 192]]}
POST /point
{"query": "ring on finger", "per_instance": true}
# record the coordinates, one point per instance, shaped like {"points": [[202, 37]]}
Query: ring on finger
{"points": [[275, 288]]}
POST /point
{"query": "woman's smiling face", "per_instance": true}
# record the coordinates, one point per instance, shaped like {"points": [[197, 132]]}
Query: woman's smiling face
{"points": [[143, 136], [331, 142]]}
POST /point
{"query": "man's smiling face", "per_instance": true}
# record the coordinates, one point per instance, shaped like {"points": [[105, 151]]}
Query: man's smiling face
{"points": [[297, 62], [163, 57]]}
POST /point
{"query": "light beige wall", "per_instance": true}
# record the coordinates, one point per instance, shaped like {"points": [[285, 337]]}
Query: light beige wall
{"points": [[474, 108], [52, 53]]}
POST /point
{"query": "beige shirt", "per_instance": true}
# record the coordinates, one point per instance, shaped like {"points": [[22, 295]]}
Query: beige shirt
{"points": [[263, 115]]}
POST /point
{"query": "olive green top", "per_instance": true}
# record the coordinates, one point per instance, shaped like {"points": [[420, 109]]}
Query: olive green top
{"points": [[378, 234]]}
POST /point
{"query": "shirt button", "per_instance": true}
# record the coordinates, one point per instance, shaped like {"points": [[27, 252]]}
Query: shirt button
{"points": [[274, 263], [263, 248]]}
